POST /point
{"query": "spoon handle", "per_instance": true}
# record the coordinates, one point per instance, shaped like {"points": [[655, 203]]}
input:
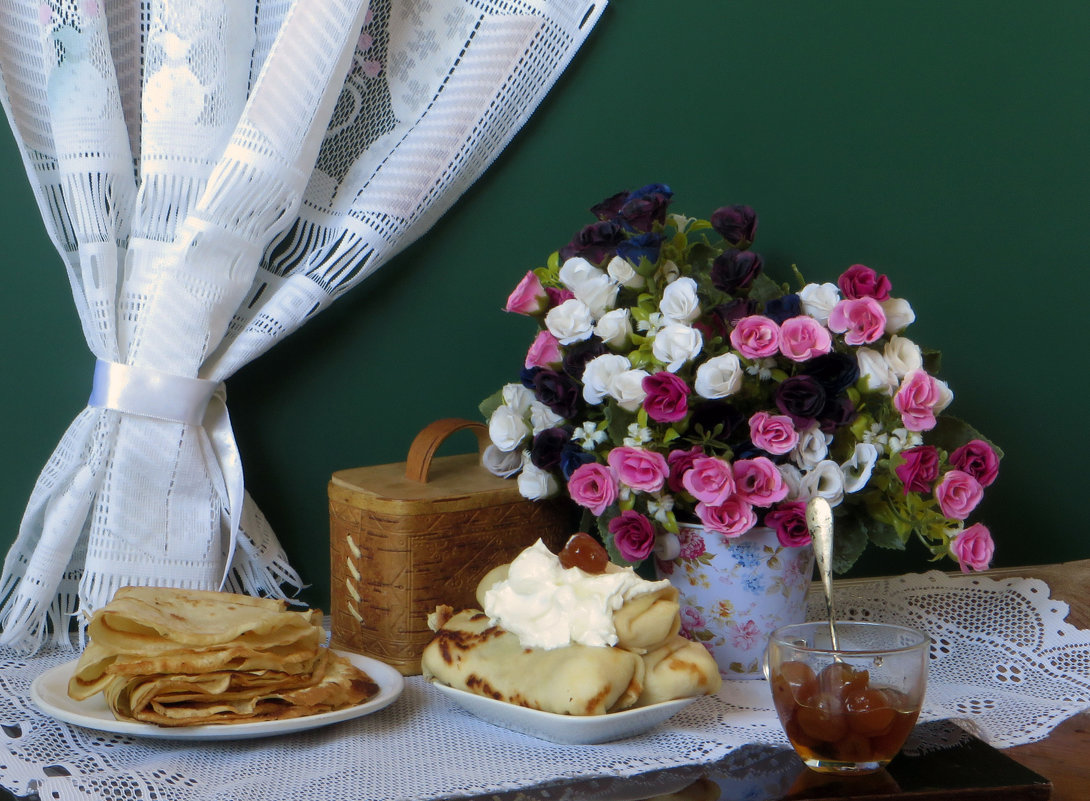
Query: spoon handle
{"points": [[819, 519]]}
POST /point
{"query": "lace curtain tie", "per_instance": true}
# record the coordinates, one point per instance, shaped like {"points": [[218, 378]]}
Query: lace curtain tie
{"points": [[200, 402]]}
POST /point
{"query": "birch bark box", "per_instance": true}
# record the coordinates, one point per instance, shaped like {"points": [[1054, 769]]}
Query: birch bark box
{"points": [[408, 536]]}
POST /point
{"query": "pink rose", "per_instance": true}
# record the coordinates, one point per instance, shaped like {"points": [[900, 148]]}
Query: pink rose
{"points": [[639, 468], [758, 481], [544, 351], [593, 486], [691, 543], [973, 548], [774, 433], [802, 338], [732, 518], [667, 399], [710, 480], [978, 459], [680, 462], [919, 469], [860, 281], [633, 535], [756, 337], [529, 297], [916, 399], [789, 521], [958, 494], [861, 320]]}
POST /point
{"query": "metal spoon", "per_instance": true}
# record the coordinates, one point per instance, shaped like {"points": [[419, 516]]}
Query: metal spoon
{"points": [[819, 519]]}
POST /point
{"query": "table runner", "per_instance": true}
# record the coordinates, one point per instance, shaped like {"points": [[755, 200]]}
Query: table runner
{"points": [[1004, 664]]}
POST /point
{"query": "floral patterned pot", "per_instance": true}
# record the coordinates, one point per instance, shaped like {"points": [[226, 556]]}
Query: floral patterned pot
{"points": [[735, 592]]}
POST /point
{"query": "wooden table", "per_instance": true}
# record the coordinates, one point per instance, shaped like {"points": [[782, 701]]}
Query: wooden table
{"points": [[1064, 756]]}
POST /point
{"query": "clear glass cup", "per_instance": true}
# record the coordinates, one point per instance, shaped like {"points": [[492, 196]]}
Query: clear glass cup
{"points": [[847, 710]]}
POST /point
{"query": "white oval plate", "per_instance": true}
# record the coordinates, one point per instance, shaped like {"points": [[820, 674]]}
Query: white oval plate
{"points": [[565, 729], [50, 693]]}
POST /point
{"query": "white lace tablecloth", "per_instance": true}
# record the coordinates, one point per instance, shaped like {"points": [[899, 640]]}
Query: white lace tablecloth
{"points": [[1004, 665]]}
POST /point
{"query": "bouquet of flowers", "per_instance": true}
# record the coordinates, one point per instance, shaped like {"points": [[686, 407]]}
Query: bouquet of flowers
{"points": [[673, 381]]}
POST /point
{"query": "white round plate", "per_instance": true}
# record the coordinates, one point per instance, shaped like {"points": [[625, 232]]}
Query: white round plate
{"points": [[50, 693], [565, 729]]}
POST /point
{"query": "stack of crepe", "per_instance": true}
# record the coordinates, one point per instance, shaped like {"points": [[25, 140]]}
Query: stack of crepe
{"points": [[650, 663], [179, 657]]}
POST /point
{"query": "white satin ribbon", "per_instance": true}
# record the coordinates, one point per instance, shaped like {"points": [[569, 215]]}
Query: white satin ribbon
{"points": [[179, 399]]}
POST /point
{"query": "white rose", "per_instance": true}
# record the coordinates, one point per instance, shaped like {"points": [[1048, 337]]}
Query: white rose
{"points": [[899, 315], [792, 477], [818, 300], [507, 428], [875, 371], [577, 271], [857, 470], [599, 294], [624, 273], [680, 303], [667, 546], [903, 356], [627, 389], [668, 272], [542, 417], [570, 322], [826, 481], [812, 448], [675, 344], [535, 483], [946, 396], [501, 463], [719, 376], [599, 373], [518, 397], [614, 328]]}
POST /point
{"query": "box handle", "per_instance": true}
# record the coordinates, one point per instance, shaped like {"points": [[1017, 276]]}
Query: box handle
{"points": [[427, 442]]}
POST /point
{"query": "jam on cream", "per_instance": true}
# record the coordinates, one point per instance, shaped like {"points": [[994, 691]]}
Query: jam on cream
{"points": [[549, 606]]}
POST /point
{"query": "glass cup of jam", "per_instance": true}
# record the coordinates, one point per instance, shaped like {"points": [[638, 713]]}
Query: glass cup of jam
{"points": [[847, 710]]}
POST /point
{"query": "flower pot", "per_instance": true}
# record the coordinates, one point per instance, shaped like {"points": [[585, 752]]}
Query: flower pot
{"points": [[735, 592]]}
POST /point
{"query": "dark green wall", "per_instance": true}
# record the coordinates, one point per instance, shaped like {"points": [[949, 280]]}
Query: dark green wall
{"points": [[945, 144]]}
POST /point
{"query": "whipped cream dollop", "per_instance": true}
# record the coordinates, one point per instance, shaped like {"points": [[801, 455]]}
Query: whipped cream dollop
{"points": [[549, 606]]}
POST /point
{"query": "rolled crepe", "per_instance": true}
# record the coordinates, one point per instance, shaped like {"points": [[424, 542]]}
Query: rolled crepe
{"points": [[642, 623], [471, 654], [680, 668]]}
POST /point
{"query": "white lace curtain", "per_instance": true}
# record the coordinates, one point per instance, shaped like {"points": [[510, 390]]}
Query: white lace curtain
{"points": [[214, 173]]}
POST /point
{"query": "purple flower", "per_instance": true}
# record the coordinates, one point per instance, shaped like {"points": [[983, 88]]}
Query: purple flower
{"points": [[579, 353], [735, 269], [838, 411], [736, 224], [557, 391], [801, 398], [595, 242], [645, 207], [780, 309], [834, 371], [547, 447], [610, 207]]}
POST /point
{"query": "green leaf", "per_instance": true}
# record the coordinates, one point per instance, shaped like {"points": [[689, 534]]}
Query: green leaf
{"points": [[950, 433], [848, 544], [491, 403]]}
